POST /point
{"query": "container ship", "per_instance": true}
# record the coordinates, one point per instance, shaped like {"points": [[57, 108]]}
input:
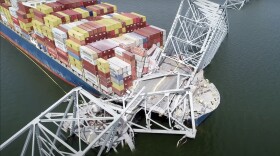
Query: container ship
{"points": [[119, 56]]}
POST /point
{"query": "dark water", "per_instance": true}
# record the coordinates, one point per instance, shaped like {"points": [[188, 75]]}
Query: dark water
{"points": [[246, 70]]}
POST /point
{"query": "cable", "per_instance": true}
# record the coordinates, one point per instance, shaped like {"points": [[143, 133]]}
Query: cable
{"points": [[37, 66]]}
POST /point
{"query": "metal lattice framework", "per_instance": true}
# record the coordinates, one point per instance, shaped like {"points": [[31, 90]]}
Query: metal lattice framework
{"points": [[94, 122], [196, 34], [236, 4]]}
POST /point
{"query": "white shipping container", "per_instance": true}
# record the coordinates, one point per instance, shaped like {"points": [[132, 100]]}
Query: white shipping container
{"points": [[139, 37], [119, 51], [91, 77], [59, 33], [135, 40], [4, 19], [13, 11], [88, 55], [66, 26], [60, 45], [116, 69]]}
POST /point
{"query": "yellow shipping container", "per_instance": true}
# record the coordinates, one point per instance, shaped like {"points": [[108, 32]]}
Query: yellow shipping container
{"points": [[109, 26], [103, 65], [77, 35], [73, 45], [44, 9], [127, 20], [114, 6], [78, 64], [117, 86], [82, 31], [27, 25], [117, 24], [84, 13], [141, 16]]}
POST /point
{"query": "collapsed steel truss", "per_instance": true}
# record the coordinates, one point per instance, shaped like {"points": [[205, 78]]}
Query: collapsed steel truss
{"points": [[236, 4], [196, 34], [99, 126]]}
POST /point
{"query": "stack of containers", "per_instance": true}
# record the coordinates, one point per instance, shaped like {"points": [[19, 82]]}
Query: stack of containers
{"points": [[13, 12], [50, 21], [60, 37], [25, 15], [106, 47], [38, 24], [89, 57], [113, 27], [139, 21], [102, 9], [73, 44], [120, 73], [129, 58], [130, 23], [6, 14], [153, 35], [79, 35], [140, 40], [98, 31], [73, 15], [104, 75], [141, 60]]}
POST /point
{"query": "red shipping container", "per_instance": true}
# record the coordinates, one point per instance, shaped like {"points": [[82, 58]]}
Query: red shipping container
{"points": [[49, 42], [90, 67], [105, 83], [72, 14], [39, 19], [89, 2], [62, 56], [23, 8], [39, 14], [25, 20], [56, 6], [52, 51], [104, 75], [70, 4], [15, 20], [63, 19], [21, 14], [136, 19]]}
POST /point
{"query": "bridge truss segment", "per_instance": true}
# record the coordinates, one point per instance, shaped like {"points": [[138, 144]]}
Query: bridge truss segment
{"points": [[199, 28], [236, 4], [96, 125]]}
